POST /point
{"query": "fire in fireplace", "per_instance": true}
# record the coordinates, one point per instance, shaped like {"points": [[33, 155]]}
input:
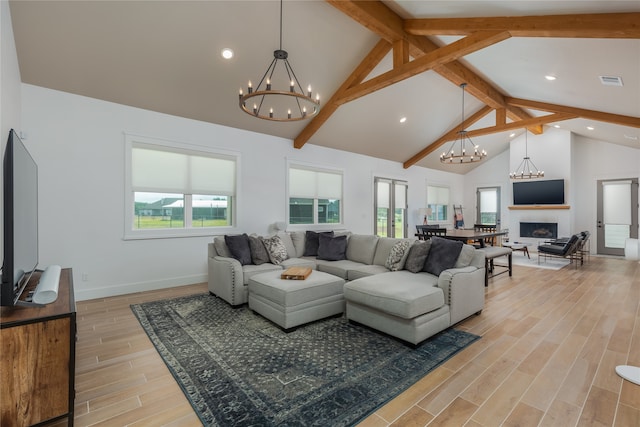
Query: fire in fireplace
{"points": [[539, 230]]}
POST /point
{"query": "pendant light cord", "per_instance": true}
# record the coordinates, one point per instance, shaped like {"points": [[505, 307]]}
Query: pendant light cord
{"points": [[280, 24]]}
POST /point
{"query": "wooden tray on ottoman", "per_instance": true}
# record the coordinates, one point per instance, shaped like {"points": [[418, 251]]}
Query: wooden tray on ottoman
{"points": [[296, 273]]}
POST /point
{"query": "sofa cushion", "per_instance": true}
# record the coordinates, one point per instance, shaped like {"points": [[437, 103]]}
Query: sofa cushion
{"points": [[366, 271], [288, 243], [299, 262], [442, 255], [418, 253], [383, 249], [298, 239], [248, 271], [276, 249], [239, 247], [221, 247], [362, 248], [465, 257], [338, 268], [332, 248], [312, 240], [403, 298], [259, 254], [398, 255]]}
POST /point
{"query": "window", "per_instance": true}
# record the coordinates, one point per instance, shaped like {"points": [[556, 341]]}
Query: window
{"points": [[437, 200], [315, 195], [176, 190]]}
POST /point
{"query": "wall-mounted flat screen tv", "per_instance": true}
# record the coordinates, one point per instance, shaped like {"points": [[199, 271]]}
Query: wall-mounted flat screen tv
{"points": [[545, 192]]}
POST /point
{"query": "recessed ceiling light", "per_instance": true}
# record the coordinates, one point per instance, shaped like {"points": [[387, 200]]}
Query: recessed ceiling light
{"points": [[512, 135], [556, 126], [590, 128], [227, 53], [550, 77], [403, 119]]}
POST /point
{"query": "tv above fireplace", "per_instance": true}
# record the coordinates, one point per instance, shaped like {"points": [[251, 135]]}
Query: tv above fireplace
{"points": [[544, 192]]}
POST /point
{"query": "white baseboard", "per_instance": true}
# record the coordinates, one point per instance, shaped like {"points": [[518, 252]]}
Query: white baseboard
{"points": [[130, 288]]}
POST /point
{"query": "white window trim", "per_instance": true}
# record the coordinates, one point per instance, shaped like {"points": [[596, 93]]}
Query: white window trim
{"points": [[132, 234], [319, 168]]}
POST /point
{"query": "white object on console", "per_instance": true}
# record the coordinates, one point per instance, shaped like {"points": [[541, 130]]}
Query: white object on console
{"points": [[47, 289]]}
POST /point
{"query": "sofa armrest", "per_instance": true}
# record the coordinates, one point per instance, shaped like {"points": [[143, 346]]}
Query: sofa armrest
{"points": [[463, 291], [226, 280]]}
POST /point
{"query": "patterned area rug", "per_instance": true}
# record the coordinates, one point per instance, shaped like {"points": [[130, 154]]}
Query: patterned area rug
{"points": [[237, 368]]}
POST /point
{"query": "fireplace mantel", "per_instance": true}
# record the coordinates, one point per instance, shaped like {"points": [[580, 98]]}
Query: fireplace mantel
{"points": [[538, 207]]}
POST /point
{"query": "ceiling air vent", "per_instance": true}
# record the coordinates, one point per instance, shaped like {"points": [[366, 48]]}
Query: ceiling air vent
{"points": [[611, 80]]}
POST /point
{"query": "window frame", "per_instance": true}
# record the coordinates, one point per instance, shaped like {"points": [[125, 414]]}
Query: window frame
{"points": [[130, 233], [314, 168]]}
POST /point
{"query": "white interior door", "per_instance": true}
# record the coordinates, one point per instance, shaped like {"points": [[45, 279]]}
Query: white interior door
{"points": [[617, 214]]}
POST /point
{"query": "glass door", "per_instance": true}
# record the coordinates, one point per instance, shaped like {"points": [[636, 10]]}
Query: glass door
{"points": [[617, 214], [390, 207], [488, 206]]}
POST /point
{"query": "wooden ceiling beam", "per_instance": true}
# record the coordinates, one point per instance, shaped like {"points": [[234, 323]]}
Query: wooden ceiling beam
{"points": [[526, 123], [599, 116], [378, 18], [373, 58], [599, 25], [530, 123], [428, 61], [381, 20]]}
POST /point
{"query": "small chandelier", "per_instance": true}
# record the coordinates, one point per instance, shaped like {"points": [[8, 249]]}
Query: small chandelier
{"points": [[294, 101], [462, 140], [526, 169]]}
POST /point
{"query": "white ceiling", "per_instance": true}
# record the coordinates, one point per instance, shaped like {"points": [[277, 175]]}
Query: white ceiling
{"points": [[165, 56]]}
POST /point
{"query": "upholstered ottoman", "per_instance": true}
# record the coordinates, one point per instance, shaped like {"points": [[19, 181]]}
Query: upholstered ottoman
{"points": [[290, 303]]}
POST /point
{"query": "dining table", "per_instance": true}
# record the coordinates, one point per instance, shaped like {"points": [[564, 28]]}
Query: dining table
{"points": [[471, 235]]}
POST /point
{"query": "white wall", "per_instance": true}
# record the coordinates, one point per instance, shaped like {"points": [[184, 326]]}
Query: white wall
{"points": [[78, 143], [592, 161], [10, 96], [9, 76]]}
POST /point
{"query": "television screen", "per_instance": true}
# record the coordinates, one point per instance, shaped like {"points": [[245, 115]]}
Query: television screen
{"points": [[547, 192], [20, 219]]}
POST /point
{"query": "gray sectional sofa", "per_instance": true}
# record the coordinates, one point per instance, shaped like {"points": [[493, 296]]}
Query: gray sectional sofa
{"points": [[409, 303]]}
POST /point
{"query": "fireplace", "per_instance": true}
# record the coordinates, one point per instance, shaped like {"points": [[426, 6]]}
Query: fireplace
{"points": [[539, 230]]}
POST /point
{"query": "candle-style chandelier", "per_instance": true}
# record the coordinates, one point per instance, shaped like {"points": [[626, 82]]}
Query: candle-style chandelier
{"points": [[462, 142], [526, 169], [267, 102]]}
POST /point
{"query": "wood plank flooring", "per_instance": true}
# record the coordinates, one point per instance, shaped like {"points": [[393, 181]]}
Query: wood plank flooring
{"points": [[550, 344]]}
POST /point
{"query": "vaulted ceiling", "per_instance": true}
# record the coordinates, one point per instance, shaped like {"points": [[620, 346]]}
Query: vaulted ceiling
{"points": [[372, 63]]}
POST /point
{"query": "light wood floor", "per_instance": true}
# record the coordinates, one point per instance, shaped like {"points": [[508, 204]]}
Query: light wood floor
{"points": [[550, 343]]}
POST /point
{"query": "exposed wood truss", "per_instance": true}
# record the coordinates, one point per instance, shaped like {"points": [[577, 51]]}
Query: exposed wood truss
{"points": [[603, 25], [410, 38]]}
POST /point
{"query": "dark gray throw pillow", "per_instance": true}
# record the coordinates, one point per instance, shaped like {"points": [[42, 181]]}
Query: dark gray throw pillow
{"points": [[239, 247], [442, 255], [259, 254], [312, 241], [332, 248], [418, 253]]}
